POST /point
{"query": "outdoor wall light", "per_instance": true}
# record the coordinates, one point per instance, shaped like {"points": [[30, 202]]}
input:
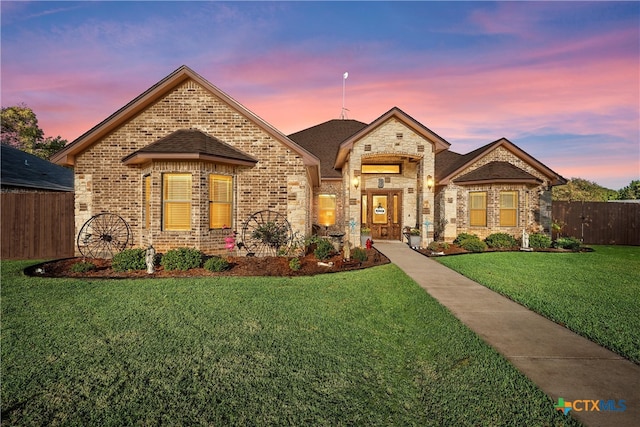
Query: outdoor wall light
{"points": [[356, 182], [429, 182]]}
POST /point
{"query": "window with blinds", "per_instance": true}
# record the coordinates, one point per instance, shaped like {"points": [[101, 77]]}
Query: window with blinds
{"points": [[478, 209], [508, 208], [146, 213], [327, 209], [220, 201], [176, 201]]}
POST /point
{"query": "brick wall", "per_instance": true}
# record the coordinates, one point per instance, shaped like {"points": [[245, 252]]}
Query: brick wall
{"points": [[278, 182]]}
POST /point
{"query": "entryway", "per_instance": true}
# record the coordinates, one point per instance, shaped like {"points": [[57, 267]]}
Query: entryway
{"points": [[382, 213]]}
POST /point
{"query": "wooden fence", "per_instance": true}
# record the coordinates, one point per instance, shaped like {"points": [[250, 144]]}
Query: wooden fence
{"points": [[599, 223], [37, 225]]}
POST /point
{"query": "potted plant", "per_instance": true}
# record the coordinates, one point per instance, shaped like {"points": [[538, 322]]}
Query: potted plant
{"points": [[414, 238], [365, 234]]}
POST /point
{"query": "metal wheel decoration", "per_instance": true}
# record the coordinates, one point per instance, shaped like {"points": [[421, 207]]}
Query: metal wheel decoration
{"points": [[266, 233], [103, 236]]}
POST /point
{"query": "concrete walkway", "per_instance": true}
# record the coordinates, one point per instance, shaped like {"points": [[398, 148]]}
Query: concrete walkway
{"points": [[558, 361]]}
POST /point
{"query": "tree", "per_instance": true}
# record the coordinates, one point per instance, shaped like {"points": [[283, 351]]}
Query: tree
{"points": [[578, 189], [20, 130], [630, 192]]}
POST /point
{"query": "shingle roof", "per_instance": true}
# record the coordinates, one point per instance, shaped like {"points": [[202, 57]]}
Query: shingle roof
{"points": [[190, 142], [497, 172], [323, 141], [20, 169]]}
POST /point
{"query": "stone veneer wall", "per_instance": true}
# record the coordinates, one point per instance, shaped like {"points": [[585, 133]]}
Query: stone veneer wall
{"points": [[534, 210], [279, 181], [384, 143]]}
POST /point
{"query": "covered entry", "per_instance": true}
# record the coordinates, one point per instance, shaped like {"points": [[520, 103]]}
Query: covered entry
{"points": [[382, 213]]}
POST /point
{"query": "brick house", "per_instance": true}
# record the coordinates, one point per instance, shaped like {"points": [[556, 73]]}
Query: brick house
{"points": [[184, 161]]}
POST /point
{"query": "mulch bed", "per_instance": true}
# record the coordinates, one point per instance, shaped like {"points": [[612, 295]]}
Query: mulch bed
{"points": [[454, 249], [240, 266]]}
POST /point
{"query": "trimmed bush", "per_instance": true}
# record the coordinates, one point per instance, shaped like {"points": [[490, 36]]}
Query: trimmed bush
{"points": [[294, 264], [324, 249], [474, 245], [83, 267], [129, 259], [464, 236], [217, 264], [181, 259], [359, 254], [568, 243], [438, 246], [500, 241], [539, 241]]}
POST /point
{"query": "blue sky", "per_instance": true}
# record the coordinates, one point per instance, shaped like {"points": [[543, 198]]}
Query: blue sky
{"points": [[559, 79]]}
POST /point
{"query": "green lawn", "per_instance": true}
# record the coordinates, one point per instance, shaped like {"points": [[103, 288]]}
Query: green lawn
{"points": [[355, 348], [596, 294]]}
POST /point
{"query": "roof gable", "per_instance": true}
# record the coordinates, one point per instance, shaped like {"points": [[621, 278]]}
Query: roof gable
{"points": [[154, 93], [439, 143], [190, 144], [452, 166], [20, 169]]}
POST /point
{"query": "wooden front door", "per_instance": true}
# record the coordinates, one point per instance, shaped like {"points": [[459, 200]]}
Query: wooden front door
{"points": [[382, 213]]}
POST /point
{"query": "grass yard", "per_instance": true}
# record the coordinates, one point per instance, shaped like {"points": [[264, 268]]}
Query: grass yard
{"points": [[596, 294], [355, 348]]}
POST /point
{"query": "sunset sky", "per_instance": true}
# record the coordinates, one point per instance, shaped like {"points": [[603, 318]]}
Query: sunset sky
{"points": [[558, 79]]}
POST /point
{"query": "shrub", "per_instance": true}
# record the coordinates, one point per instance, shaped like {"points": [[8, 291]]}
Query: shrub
{"points": [[359, 254], [217, 264], [568, 243], [294, 264], [83, 267], [500, 240], [438, 246], [474, 245], [181, 259], [129, 259], [538, 240], [464, 236], [323, 250]]}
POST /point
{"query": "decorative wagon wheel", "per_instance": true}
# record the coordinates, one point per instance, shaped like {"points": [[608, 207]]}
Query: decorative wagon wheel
{"points": [[103, 236], [265, 233]]}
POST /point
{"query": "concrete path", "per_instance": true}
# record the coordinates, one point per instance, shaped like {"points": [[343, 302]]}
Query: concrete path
{"points": [[560, 362]]}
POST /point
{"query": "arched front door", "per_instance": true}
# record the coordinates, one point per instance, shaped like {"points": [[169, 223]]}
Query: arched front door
{"points": [[382, 213]]}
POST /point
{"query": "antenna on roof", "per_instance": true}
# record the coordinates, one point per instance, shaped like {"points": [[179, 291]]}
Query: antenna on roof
{"points": [[343, 114]]}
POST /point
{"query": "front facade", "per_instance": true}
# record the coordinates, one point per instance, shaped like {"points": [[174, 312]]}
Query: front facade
{"points": [[184, 163]]}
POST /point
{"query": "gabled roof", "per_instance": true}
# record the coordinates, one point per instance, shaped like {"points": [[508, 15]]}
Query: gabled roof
{"points": [[20, 169], [448, 166], [190, 144], [503, 172], [324, 140], [155, 92], [439, 142]]}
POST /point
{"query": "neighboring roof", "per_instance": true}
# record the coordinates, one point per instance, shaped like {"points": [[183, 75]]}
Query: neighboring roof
{"points": [[324, 140], [497, 172], [185, 144], [20, 169], [450, 165], [439, 142], [66, 155]]}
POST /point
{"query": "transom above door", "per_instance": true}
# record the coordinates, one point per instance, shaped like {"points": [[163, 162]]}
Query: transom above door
{"points": [[382, 213]]}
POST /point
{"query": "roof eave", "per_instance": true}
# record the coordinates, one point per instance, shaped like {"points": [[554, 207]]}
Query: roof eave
{"points": [[140, 158], [532, 181]]}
